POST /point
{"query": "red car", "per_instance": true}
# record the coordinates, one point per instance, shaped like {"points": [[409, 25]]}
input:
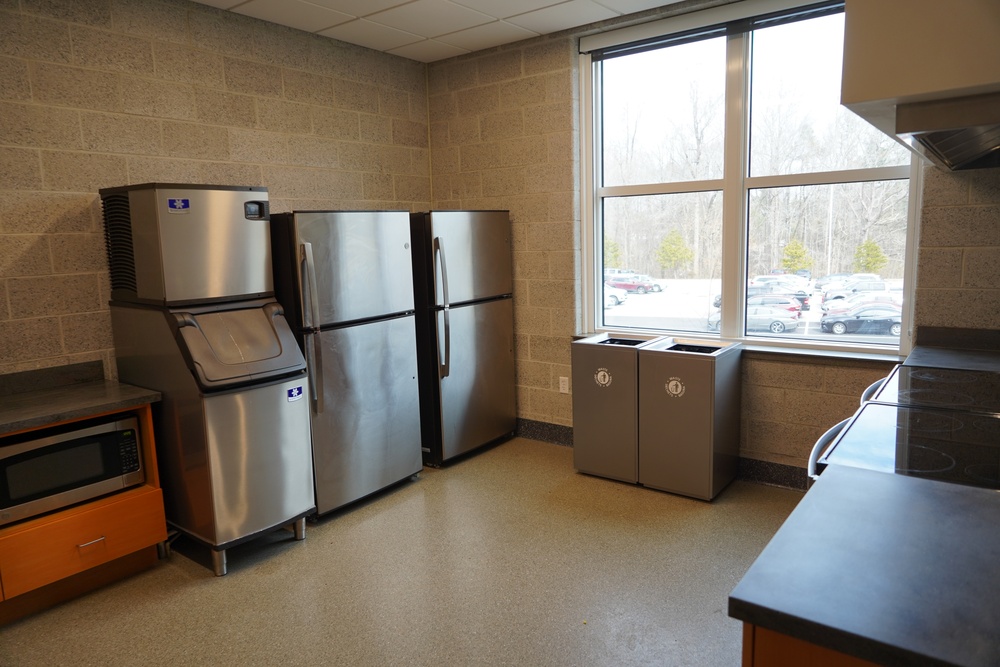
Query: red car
{"points": [[632, 284]]}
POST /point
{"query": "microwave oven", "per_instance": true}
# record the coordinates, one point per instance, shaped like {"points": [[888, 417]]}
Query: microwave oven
{"points": [[51, 469]]}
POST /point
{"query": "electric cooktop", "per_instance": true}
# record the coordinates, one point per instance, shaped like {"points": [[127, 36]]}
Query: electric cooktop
{"points": [[965, 390], [941, 424]]}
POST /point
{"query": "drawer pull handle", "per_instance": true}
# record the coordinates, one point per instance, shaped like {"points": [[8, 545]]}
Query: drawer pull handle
{"points": [[87, 544]]}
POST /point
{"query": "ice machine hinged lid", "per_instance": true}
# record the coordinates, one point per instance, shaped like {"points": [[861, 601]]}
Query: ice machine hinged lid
{"points": [[234, 346]]}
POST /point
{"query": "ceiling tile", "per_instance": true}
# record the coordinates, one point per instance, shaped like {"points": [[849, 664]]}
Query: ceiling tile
{"points": [[428, 51], [359, 8], [632, 6], [373, 35], [431, 17], [560, 17], [221, 4], [487, 36], [294, 13], [505, 8]]}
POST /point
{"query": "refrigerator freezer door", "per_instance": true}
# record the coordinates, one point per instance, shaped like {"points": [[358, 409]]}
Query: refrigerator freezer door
{"points": [[368, 435], [361, 263], [478, 403], [477, 245]]}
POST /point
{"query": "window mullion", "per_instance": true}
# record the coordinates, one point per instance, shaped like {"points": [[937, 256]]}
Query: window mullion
{"points": [[734, 194]]}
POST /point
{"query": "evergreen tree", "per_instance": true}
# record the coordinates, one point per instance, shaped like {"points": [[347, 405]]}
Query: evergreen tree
{"points": [[869, 258], [674, 253]]}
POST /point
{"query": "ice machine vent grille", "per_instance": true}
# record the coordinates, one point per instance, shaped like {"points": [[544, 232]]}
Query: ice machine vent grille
{"points": [[118, 242]]}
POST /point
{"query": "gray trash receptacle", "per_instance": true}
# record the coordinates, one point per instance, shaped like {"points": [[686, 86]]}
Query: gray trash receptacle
{"points": [[605, 404], [689, 416]]}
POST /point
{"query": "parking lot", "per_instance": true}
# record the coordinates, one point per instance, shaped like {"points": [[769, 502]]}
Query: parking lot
{"points": [[685, 305]]}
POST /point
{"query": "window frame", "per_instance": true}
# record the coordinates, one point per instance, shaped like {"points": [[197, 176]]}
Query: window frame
{"points": [[735, 185]]}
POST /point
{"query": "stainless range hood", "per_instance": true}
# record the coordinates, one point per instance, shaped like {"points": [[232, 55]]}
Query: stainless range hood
{"points": [[961, 133], [927, 73]]}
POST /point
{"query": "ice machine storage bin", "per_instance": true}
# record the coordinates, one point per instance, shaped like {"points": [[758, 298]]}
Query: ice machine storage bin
{"points": [[689, 416], [605, 405]]}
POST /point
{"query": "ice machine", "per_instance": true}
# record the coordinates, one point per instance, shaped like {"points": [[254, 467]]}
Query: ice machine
{"points": [[194, 317]]}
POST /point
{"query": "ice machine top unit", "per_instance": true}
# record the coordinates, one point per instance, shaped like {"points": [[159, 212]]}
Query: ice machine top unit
{"points": [[214, 239]]}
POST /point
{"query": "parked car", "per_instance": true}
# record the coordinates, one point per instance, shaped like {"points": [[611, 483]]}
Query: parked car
{"points": [[854, 287], [656, 286], [613, 295], [822, 283], [631, 283], [763, 318], [771, 288], [894, 297], [866, 319], [789, 303]]}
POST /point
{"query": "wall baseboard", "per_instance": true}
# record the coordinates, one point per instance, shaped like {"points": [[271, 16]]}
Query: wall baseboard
{"points": [[552, 433], [750, 470]]}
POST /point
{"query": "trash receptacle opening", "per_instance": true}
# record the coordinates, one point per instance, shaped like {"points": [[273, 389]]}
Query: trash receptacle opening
{"points": [[701, 349], [621, 341]]}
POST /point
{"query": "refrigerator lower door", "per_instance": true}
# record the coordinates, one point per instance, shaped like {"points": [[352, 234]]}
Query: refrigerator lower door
{"points": [[367, 435], [478, 403], [257, 446]]}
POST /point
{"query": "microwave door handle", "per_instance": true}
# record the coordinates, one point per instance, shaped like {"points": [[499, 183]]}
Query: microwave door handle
{"points": [[821, 445]]}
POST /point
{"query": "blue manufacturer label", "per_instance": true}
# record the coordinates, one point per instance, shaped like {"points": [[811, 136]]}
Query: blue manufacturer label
{"points": [[178, 205], [294, 394]]}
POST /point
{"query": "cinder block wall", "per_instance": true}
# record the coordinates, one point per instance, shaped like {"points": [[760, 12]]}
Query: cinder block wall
{"points": [[100, 94], [504, 135], [114, 92]]}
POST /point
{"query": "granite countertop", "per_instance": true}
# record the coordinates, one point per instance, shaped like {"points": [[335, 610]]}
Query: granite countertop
{"points": [[887, 568], [40, 407]]}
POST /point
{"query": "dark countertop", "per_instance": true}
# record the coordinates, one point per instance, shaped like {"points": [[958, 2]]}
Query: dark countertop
{"points": [[40, 407], [888, 568], [943, 357]]}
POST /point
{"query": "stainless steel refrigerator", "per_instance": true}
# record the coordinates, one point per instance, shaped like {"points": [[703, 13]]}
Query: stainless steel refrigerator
{"points": [[345, 280], [463, 283]]}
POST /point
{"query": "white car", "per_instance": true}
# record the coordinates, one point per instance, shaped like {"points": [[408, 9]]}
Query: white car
{"points": [[613, 296]]}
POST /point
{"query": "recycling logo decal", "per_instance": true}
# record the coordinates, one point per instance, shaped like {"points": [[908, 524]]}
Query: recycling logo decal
{"points": [[675, 388], [603, 377]]}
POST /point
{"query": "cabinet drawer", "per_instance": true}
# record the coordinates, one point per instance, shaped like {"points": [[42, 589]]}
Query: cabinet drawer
{"points": [[35, 555]]}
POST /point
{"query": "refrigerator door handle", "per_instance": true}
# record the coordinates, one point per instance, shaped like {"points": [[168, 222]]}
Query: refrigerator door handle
{"points": [[314, 352], [314, 364], [444, 366], [307, 266], [439, 251]]}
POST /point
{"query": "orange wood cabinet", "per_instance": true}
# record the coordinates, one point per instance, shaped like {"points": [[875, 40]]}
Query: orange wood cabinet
{"points": [[51, 548], [767, 648]]}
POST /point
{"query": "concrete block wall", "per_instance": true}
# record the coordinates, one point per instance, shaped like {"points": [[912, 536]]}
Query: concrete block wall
{"points": [[504, 135], [112, 92], [958, 272]]}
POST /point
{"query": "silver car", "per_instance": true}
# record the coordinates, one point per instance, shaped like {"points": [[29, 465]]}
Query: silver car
{"points": [[763, 318]]}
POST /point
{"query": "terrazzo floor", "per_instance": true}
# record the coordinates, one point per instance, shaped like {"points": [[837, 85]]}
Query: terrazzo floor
{"points": [[508, 557]]}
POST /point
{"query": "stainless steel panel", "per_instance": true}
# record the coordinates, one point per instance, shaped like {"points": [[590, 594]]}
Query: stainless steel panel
{"points": [[476, 246], [231, 464], [478, 402], [258, 449], [366, 434], [362, 263], [689, 416], [208, 250], [605, 407]]}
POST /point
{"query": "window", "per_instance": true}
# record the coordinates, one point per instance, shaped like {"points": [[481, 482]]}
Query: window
{"points": [[725, 171]]}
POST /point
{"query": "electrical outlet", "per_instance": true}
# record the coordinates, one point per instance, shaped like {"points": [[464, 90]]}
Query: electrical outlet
{"points": [[563, 385]]}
